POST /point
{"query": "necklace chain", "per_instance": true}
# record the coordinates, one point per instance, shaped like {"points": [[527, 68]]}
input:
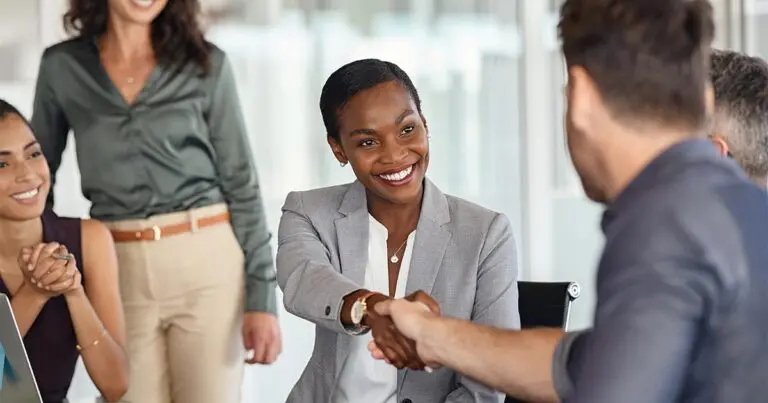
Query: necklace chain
{"points": [[394, 258]]}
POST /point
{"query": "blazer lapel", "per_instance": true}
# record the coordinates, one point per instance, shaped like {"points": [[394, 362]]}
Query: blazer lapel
{"points": [[429, 247], [352, 238], [430, 242], [352, 234]]}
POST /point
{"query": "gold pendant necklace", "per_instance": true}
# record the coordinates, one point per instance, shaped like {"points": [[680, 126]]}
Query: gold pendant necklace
{"points": [[394, 258]]}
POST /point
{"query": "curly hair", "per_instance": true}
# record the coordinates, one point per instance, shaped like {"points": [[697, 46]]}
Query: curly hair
{"points": [[648, 58], [177, 38], [740, 83]]}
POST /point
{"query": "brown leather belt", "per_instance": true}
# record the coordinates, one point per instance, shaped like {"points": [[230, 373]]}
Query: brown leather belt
{"points": [[157, 233]]}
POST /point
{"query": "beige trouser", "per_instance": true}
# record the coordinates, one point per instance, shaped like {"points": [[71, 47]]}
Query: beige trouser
{"points": [[183, 301]]}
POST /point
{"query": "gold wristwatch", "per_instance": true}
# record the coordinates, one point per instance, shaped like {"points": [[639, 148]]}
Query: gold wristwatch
{"points": [[360, 310]]}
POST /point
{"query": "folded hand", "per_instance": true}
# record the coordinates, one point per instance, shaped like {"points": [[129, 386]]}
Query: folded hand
{"points": [[49, 268]]}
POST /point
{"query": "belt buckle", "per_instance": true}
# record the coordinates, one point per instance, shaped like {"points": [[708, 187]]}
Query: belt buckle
{"points": [[156, 233]]}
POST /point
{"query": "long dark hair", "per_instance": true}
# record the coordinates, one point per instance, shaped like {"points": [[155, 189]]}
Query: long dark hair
{"points": [[6, 109], [177, 38]]}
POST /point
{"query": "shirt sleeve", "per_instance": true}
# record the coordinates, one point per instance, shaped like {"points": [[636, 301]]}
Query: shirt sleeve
{"points": [[240, 186], [561, 363], [645, 331], [48, 121]]}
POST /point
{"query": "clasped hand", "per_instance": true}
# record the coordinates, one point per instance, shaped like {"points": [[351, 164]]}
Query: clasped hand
{"points": [[46, 270], [392, 345]]}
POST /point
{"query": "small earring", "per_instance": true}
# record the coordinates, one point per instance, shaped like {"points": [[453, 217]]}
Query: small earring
{"points": [[343, 164]]}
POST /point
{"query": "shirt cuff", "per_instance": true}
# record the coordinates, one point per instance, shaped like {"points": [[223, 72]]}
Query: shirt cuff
{"points": [[260, 296], [560, 376]]}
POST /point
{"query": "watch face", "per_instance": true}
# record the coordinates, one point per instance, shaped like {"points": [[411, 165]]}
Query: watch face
{"points": [[357, 312]]}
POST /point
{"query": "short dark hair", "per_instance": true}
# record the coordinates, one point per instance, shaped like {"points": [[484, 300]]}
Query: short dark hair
{"points": [[648, 58], [740, 83], [6, 109], [354, 77], [177, 37]]}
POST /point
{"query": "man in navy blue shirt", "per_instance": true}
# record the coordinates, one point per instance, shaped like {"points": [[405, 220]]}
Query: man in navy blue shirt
{"points": [[739, 130], [680, 310]]}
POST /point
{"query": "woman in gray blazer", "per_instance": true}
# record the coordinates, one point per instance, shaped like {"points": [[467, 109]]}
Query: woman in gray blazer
{"points": [[391, 233]]}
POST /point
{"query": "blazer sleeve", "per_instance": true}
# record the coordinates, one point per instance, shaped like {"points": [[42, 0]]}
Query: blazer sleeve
{"points": [[312, 288], [495, 300]]}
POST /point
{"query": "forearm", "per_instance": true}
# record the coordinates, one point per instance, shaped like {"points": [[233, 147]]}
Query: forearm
{"points": [[518, 363], [104, 359], [26, 305]]}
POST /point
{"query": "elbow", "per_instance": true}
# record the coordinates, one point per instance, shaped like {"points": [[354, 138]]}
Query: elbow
{"points": [[116, 386], [287, 280], [116, 390]]}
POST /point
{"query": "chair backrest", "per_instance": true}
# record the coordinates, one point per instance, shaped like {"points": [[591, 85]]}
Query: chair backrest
{"points": [[545, 305]]}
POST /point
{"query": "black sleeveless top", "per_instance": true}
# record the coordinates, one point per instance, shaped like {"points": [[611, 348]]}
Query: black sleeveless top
{"points": [[51, 341]]}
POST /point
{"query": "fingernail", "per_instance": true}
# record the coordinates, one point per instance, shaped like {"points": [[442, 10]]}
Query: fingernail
{"points": [[29, 267], [428, 370], [33, 281]]}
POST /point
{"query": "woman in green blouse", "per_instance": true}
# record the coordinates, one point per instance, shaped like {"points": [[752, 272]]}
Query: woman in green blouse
{"points": [[165, 161]]}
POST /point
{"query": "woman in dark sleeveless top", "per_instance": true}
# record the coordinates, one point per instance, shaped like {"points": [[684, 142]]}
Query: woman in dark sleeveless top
{"points": [[62, 309]]}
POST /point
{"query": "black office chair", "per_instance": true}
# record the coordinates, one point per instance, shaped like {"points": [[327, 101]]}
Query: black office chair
{"points": [[545, 305]]}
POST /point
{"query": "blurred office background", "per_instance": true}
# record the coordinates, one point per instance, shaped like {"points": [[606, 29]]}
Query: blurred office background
{"points": [[491, 80]]}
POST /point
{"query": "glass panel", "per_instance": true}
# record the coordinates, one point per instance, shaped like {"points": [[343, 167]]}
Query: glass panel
{"points": [[20, 45], [755, 27]]}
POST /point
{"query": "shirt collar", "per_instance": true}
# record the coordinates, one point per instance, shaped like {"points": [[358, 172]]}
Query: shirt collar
{"points": [[660, 169]]}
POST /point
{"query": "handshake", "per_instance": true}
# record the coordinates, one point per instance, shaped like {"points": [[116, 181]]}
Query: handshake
{"points": [[399, 328]]}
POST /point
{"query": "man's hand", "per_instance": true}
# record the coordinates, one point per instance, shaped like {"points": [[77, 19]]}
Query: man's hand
{"points": [[411, 319], [261, 336], [426, 299]]}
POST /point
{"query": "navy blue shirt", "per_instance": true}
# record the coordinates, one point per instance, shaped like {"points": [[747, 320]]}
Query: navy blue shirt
{"points": [[682, 290]]}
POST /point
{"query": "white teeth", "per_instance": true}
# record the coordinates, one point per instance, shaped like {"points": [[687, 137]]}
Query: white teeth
{"points": [[397, 176], [144, 3], [26, 195]]}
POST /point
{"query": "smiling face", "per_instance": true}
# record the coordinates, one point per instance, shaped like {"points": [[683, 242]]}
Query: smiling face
{"points": [[384, 138], [141, 12], [24, 174]]}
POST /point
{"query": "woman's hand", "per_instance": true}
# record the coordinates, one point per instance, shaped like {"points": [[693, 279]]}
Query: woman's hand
{"points": [[50, 269], [398, 350]]}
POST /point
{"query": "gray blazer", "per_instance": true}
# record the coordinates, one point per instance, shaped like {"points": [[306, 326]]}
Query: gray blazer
{"points": [[464, 256]]}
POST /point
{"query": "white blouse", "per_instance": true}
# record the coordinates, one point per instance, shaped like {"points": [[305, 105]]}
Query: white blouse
{"points": [[363, 379]]}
